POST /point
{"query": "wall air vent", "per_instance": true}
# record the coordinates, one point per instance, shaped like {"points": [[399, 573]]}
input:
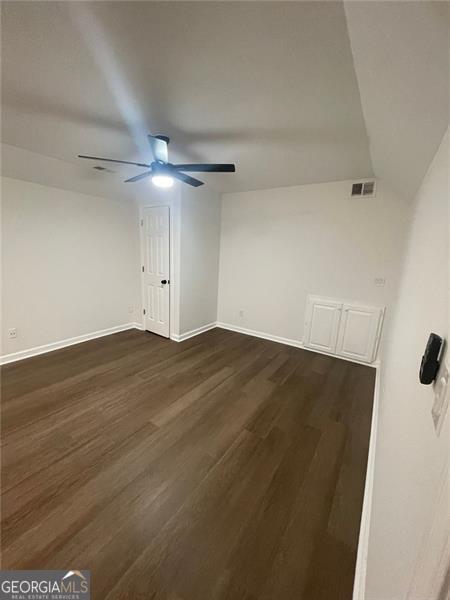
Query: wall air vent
{"points": [[364, 188]]}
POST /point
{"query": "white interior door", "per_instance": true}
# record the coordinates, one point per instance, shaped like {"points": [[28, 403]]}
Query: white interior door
{"points": [[155, 269], [322, 324], [359, 332]]}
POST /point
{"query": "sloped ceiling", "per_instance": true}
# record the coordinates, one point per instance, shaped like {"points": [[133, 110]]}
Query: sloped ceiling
{"points": [[268, 85], [274, 86], [401, 57]]}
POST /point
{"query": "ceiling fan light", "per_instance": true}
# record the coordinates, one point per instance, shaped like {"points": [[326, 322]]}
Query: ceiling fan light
{"points": [[162, 181]]}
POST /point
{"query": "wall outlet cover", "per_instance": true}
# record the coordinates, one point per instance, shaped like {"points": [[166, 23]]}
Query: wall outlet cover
{"points": [[12, 333]]}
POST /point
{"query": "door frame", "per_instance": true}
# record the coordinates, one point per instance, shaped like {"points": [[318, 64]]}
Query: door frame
{"points": [[174, 253]]}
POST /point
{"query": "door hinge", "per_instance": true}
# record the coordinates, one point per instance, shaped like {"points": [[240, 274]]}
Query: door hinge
{"points": [[142, 222], [143, 269], [144, 311]]}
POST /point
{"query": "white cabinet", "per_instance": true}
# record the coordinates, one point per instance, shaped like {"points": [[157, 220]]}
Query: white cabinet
{"points": [[359, 332], [322, 323], [346, 329]]}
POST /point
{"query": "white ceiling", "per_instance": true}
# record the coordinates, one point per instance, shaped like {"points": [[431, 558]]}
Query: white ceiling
{"points": [[267, 85], [401, 55], [271, 86]]}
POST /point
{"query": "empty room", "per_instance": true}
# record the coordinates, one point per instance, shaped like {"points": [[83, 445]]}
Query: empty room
{"points": [[225, 300]]}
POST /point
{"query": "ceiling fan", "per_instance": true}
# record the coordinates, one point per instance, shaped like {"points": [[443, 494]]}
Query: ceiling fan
{"points": [[162, 171]]}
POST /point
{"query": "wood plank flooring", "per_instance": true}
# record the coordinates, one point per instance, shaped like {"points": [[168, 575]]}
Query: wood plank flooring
{"points": [[225, 467]]}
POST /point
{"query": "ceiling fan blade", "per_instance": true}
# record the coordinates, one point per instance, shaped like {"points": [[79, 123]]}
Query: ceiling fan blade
{"points": [[123, 162], [159, 148], [138, 177], [186, 178], [205, 168]]}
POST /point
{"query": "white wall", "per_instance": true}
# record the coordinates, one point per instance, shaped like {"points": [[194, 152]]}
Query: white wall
{"points": [[410, 456], [401, 61], [70, 264], [279, 245], [194, 248], [199, 257]]}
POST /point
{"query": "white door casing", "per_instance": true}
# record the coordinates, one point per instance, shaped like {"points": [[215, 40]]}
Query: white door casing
{"points": [[359, 332], [155, 244], [322, 324]]}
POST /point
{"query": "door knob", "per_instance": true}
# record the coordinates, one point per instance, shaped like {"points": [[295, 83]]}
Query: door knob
{"points": [[164, 281]]}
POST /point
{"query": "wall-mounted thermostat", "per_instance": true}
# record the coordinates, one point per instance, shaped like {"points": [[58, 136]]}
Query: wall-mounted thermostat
{"points": [[430, 360]]}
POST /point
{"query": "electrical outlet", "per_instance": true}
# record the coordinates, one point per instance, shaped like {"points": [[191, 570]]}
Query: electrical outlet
{"points": [[12, 333], [131, 309], [379, 280]]}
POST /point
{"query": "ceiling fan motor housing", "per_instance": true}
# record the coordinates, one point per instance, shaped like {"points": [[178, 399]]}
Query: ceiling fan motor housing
{"points": [[159, 167], [164, 138]]}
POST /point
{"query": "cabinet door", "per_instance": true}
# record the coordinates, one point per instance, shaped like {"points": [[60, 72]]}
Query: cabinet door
{"points": [[359, 332], [322, 324]]}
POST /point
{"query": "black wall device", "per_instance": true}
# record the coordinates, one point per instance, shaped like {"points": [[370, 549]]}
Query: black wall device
{"points": [[430, 363]]}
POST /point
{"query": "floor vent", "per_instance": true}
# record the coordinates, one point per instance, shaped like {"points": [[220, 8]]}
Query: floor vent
{"points": [[365, 188]]}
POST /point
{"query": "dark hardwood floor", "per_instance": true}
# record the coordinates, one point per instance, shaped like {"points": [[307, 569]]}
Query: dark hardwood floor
{"points": [[222, 468]]}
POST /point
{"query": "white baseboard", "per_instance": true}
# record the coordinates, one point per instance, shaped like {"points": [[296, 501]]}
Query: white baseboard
{"points": [[375, 364], [288, 342], [359, 587], [14, 356], [260, 334], [192, 333]]}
